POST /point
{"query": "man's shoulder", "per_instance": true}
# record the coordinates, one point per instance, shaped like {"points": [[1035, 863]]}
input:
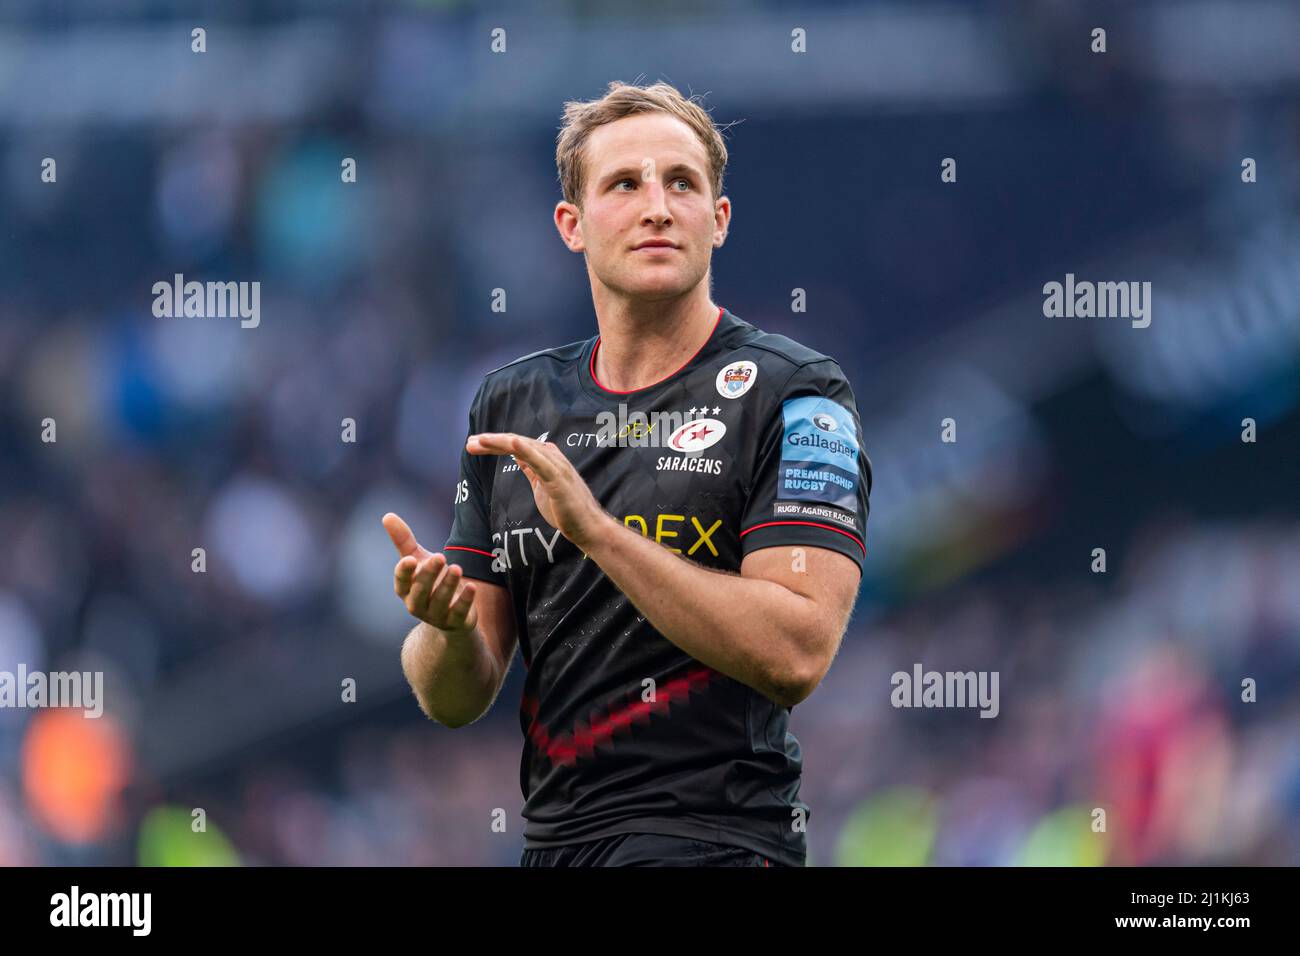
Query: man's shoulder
{"points": [[551, 361], [779, 354]]}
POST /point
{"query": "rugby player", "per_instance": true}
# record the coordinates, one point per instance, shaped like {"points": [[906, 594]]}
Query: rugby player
{"points": [[667, 519]]}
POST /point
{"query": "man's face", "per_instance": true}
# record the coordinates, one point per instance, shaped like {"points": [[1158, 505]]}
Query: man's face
{"points": [[646, 179]]}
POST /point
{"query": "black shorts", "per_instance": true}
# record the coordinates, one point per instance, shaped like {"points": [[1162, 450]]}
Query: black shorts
{"points": [[644, 849]]}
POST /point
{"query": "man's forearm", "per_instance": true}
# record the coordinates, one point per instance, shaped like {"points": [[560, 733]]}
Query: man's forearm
{"points": [[755, 631], [453, 675]]}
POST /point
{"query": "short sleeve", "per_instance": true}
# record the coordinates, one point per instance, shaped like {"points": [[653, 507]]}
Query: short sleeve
{"points": [[469, 544], [812, 476]]}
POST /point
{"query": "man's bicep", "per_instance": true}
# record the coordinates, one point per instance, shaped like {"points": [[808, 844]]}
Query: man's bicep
{"points": [[828, 578]]}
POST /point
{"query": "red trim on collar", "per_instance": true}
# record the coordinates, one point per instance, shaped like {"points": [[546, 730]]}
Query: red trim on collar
{"points": [[591, 366]]}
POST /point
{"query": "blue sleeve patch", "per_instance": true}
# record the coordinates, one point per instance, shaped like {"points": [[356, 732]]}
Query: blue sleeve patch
{"points": [[819, 453]]}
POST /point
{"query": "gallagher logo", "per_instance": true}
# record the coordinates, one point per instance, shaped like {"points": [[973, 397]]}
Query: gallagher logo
{"points": [[832, 445], [824, 422], [697, 435]]}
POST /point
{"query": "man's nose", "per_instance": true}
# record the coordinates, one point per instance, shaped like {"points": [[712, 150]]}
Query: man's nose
{"points": [[656, 203]]}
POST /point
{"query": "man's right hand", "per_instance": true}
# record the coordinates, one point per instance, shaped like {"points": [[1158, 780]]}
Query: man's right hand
{"points": [[432, 590]]}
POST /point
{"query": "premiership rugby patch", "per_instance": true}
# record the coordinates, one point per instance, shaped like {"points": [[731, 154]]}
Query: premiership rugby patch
{"points": [[819, 453]]}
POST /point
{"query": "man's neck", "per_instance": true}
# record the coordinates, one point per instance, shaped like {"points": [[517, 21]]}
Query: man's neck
{"points": [[641, 344]]}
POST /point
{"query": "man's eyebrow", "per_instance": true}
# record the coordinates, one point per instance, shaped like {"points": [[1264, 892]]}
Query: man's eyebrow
{"points": [[635, 171]]}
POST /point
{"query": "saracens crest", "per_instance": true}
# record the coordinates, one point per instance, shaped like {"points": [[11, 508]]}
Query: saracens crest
{"points": [[735, 380]]}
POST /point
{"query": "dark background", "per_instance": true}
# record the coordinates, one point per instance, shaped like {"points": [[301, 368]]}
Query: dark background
{"points": [[1119, 691]]}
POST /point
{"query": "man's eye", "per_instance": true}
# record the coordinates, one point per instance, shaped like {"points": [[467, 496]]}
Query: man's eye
{"points": [[633, 182]]}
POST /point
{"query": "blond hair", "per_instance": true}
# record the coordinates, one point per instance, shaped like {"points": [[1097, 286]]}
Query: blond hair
{"points": [[623, 99]]}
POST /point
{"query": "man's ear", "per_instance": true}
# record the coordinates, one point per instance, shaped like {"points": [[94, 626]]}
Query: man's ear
{"points": [[568, 221], [721, 221]]}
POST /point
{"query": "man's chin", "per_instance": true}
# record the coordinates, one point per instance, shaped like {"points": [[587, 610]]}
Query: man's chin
{"points": [[653, 288]]}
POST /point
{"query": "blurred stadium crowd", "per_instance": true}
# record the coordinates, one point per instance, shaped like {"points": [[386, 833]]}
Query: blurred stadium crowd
{"points": [[1120, 691]]}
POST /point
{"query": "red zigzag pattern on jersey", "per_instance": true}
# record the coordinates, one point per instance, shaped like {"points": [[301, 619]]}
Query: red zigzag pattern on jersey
{"points": [[586, 737]]}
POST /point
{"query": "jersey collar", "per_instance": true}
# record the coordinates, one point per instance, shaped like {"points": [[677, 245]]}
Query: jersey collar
{"points": [[587, 366]]}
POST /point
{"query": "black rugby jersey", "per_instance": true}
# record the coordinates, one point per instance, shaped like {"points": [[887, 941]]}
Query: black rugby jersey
{"points": [[755, 442]]}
